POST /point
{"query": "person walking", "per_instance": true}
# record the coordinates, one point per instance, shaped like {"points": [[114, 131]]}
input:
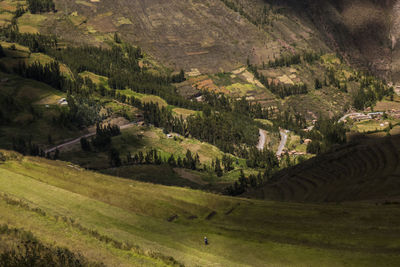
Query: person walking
{"points": [[205, 241]]}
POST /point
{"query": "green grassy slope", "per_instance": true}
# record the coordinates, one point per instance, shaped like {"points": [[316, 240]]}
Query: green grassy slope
{"points": [[66, 205], [364, 170]]}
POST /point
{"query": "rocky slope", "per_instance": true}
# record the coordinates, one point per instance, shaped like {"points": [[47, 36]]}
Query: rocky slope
{"points": [[215, 36]]}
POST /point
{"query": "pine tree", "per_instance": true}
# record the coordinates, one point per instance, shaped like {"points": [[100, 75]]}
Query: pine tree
{"points": [[117, 39], [2, 54], [218, 169]]}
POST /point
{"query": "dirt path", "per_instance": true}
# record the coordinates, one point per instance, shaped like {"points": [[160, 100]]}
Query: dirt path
{"points": [[261, 140], [348, 115], [356, 114], [282, 145], [77, 140]]}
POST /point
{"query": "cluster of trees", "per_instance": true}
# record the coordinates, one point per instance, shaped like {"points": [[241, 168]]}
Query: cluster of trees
{"points": [[332, 80], [371, 90], [224, 129], [325, 134], [244, 183], [49, 73], [223, 103], [41, 6], [291, 120], [238, 8], [35, 42], [262, 159], [121, 65], [81, 111], [227, 162], [292, 59], [2, 54], [102, 140], [260, 19], [19, 12], [25, 146], [152, 156], [190, 161], [285, 61], [317, 84], [101, 61]]}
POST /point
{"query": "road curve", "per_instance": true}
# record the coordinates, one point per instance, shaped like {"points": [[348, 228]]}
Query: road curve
{"points": [[261, 140], [282, 145], [357, 114], [77, 140], [348, 115]]}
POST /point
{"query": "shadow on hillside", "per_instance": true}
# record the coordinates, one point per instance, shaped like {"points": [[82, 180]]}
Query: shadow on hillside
{"points": [[365, 169]]}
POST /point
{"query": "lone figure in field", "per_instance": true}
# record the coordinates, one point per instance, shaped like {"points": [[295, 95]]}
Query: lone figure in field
{"points": [[205, 241]]}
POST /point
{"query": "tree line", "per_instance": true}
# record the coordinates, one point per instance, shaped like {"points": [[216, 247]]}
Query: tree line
{"points": [[371, 90], [35, 42], [223, 129], [243, 184], [49, 73], [325, 134], [41, 6]]}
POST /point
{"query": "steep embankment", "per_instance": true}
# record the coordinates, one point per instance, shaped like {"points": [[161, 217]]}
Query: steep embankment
{"points": [[364, 171], [127, 223]]}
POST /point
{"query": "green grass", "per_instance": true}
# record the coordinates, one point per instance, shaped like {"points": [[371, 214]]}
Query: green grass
{"points": [[139, 138], [22, 53], [29, 95], [162, 174], [294, 143], [243, 232], [265, 122], [121, 110], [145, 98], [183, 112], [372, 125]]}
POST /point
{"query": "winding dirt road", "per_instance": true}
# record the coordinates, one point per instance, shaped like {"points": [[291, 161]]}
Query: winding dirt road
{"points": [[261, 140], [282, 145], [77, 140], [263, 137]]}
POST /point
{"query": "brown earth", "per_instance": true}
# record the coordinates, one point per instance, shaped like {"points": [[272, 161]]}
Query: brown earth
{"points": [[211, 37]]}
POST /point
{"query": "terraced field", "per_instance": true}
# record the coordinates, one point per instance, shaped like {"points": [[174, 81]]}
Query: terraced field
{"points": [[366, 170]]}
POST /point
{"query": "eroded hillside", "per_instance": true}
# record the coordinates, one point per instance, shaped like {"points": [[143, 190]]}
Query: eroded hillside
{"points": [[207, 35]]}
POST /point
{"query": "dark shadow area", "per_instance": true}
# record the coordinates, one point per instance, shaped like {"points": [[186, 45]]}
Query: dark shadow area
{"points": [[365, 169]]}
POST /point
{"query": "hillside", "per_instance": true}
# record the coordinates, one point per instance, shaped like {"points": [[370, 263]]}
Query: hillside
{"points": [[123, 222], [215, 36], [364, 170]]}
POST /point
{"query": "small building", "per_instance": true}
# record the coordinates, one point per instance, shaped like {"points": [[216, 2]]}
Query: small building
{"points": [[63, 102]]}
